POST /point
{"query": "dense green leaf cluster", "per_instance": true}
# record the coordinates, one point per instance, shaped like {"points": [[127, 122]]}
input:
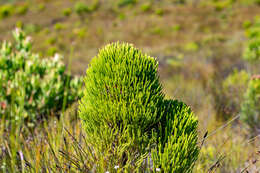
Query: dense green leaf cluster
{"points": [[251, 106], [176, 150], [128, 122], [30, 86]]}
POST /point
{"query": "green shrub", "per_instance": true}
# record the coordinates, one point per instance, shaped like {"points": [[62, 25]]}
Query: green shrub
{"points": [[32, 28], [247, 24], [122, 3], [52, 51], [19, 24], [80, 32], [81, 8], [156, 30], [221, 5], [95, 5], [146, 7], [176, 28], [22, 9], [176, 149], [121, 16], [127, 120], [191, 47], [41, 7], [228, 94], [252, 50], [67, 12], [6, 11], [59, 26], [233, 87], [250, 111], [32, 87], [159, 11], [250, 114], [51, 41]]}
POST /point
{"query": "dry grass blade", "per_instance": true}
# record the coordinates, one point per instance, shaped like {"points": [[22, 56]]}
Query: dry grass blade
{"points": [[58, 165], [72, 159], [81, 155], [216, 164], [221, 127], [204, 138]]}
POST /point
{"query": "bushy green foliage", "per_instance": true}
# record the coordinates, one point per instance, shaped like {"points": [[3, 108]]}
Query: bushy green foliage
{"points": [[252, 50], [31, 28], [159, 11], [122, 3], [233, 87], [6, 10], [10, 9], [67, 12], [32, 87], [176, 150], [81, 8], [237, 78], [250, 111], [22, 9], [251, 106], [146, 7], [127, 120], [191, 47], [228, 94]]}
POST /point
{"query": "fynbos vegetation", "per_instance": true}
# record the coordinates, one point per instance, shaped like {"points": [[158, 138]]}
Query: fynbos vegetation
{"points": [[252, 50], [32, 87], [207, 57], [251, 105], [127, 119]]}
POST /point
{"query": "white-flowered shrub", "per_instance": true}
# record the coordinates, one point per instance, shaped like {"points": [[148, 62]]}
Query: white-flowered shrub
{"points": [[33, 87]]}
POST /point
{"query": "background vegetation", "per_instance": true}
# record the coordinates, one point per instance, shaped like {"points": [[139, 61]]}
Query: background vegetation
{"points": [[208, 53]]}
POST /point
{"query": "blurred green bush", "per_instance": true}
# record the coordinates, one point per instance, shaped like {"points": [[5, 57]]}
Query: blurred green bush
{"points": [[32, 87], [250, 111], [6, 10], [252, 48], [122, 3], [66, 12], [251, 106], [228, 94], [81, 8], [127, 120]]}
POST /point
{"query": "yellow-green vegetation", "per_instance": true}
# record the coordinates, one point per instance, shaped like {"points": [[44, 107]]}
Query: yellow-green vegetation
{"points": [[229, 94], [251, 106], [252, 51], [252, 46], [141, 130], [32, 87], [207, 52]]}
